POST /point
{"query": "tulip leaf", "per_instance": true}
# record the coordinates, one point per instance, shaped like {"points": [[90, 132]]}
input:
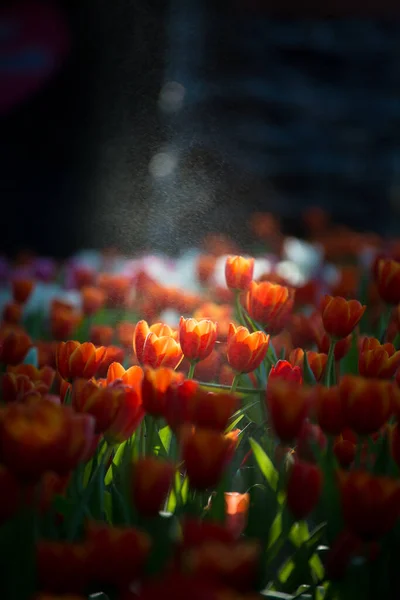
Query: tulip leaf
{"points": [[32, 357], [265, 464], [308, 375], [349, 364], [217, 510]]}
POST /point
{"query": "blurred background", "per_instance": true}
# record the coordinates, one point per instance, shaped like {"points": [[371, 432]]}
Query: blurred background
{"points": [[145, 125]]}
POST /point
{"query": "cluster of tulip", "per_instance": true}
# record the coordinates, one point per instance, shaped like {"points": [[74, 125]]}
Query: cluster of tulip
{"points": [[252, 450]]}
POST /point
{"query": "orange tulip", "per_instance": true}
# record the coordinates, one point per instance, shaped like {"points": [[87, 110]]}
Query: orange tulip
{"points": [[340, 316], [236, 507], [45, 376], [117, 555], [284, 370], [22, 289], [367, 403], [303, 488], [317, 361], [387, 277], [205, 267], [12, 313], [19, 380], [179, 398], [156, 383], [125, 333], [113, 354], [370, 504], [234, 565], [212, 410], [63, 322], [206, 454], [63, 566], [132, 376], [310, 437], [78, 360], [288, 405], [378, 360], [245, 350], [14, 345], [197, 338], [116, 289], [93, 300], [101, 335], [151, 482], [328, 409], [109, 405], [220, 313], [239, 272], [156, 346], [270, 305], [33, 437], [345, 447]]}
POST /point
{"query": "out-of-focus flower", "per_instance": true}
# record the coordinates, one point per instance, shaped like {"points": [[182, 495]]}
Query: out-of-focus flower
{"points": [[151, 481], [328, 409], [205, 267], [303, 488], [206, 453], [155, 385], [234, 565], [197, 338], [93, 300], [101, 335], [78, 360], [387, 277], [345, 447], [378, 360], [288, 404], [367, 403], [310, 437], [14, 345], [63, 321], [34, 438], [117, 555], [300, 330], [317, 361], [370, 504], [239, 272], [270, 305], [62, 567], [20, 379], [125, 333], [283, 370], [12, 313], [340, 316], [22, 289], [116, 288], [245, 350]]}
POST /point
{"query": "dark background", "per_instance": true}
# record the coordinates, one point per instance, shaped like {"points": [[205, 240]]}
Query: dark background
{"points": [[280, 112]]}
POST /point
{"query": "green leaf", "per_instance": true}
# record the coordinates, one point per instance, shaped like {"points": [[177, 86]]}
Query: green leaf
{"points": [[165, 435], [217, 510], [308, 375], [349, 364], [265, 464]]}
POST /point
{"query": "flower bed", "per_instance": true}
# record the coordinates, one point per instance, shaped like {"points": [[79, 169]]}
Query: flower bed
{"points": [[214, 427]]}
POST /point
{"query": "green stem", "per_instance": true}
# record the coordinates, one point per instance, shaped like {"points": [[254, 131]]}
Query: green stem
{"points": [[330, 363], [384, 325], [235, 382], [191, 370], [238, 307], [242, 390], [151, 429]]}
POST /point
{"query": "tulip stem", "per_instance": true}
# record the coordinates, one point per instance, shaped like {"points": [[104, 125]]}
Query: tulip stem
{"points": [[235, 382], [191, 370], [384, 324], [241, 390], [330, 375], [238, 306]]}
